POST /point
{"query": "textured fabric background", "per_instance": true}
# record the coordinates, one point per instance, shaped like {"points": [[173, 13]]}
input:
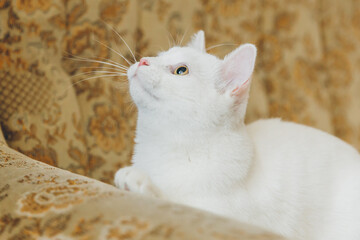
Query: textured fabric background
{"points": [[308, 69]]}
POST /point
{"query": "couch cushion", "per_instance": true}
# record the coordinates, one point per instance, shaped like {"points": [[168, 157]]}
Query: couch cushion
{"points": [[41, 201]]}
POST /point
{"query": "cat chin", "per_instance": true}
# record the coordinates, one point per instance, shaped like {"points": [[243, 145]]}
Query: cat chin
{"points": [[148, 92], [141, 95], [131, 72]]}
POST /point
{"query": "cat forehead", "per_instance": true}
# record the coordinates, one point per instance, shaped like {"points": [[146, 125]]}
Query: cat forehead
{"points": [[179, 54]]}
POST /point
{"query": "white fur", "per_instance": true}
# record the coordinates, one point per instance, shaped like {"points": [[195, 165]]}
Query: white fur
{"points": [[192, 147]]}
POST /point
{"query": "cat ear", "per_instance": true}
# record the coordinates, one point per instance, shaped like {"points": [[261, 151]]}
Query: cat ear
{"points": [[198, 41], [237, 70]]}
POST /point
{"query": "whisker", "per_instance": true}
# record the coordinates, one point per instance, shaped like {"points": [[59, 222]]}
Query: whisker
{"points": [[138, 54], [220, 45], [121, 39], [109, 68], [182, 39], [109, 60], [113, 51], [106, 59], [168, 38], [101, 76], [177, 38], [120, 85], [130, 106], [162, 49], [93, 72], [86, 79], [97, 61], [174, 43], [113, 37]]}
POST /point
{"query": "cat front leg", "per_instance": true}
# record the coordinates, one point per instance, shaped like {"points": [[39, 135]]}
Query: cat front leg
{"points": [[133, 180]]}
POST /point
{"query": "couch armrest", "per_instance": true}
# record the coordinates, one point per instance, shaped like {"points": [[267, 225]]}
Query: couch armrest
{"points": [[2, 138], [37, 200]]}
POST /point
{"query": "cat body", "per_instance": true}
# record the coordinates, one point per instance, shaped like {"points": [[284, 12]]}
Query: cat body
{"points": [[192, 147]]}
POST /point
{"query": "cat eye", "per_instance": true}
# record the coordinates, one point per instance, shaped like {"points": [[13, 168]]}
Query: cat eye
{"points": [[181, 70]]}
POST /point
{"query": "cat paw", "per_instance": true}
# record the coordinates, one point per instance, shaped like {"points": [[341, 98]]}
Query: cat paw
{"points": [[133, 180]]}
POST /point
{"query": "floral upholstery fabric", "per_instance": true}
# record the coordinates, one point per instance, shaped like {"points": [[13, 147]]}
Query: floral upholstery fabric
{"points": [[43, 112], [308, 71], [39, 201]]}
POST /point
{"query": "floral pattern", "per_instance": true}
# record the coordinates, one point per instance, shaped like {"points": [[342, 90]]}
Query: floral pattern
{"points": [[107, 127], [33, 5], [52, 198], [307, 71], [38, 201]]}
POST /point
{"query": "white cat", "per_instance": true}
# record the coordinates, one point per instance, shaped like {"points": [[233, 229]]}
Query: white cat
{"points": [[192, 147]]}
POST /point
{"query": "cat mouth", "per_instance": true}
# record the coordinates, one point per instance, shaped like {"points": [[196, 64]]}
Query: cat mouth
{"points": [[133, 76], [148, 92]]}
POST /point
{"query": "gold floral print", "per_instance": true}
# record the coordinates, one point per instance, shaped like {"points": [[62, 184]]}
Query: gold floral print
{"points": [[3, 191], [53, 198], [43, 154], [4, 3], [81, 41], [108, 128], [133, 228], [113, 11], [30, 6], [231, 8]]}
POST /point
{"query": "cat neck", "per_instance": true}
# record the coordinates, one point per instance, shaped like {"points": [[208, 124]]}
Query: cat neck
{"points": [[158, 144]]}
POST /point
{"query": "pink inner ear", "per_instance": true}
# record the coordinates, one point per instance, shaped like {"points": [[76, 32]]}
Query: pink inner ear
{"points": [[237, 74], [240, 90], [238, 68]]}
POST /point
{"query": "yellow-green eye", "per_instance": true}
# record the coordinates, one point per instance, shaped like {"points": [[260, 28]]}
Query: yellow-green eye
{"points": [[182, 70]]}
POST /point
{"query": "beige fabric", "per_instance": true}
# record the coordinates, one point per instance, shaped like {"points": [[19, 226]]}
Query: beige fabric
{"points": [[37, 200], [2, 139]]}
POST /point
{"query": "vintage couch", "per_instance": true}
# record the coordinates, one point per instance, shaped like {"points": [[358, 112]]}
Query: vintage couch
{"points": [[62, 140]]}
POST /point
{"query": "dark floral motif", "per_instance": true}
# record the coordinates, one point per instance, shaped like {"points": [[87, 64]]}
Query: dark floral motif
{"points": [[108, 128], [83, 41], [3, 192], [8, 222], [113, 11], [43, 154]]}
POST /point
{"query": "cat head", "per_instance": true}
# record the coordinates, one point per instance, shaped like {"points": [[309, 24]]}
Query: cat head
{"points": [[186, 85]]}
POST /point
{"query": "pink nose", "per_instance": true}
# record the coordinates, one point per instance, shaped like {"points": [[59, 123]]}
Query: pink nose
{"points": [[143, 61]]}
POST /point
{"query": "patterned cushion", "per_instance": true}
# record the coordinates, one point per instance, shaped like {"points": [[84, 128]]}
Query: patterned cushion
{"points": [[41, 201]]}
